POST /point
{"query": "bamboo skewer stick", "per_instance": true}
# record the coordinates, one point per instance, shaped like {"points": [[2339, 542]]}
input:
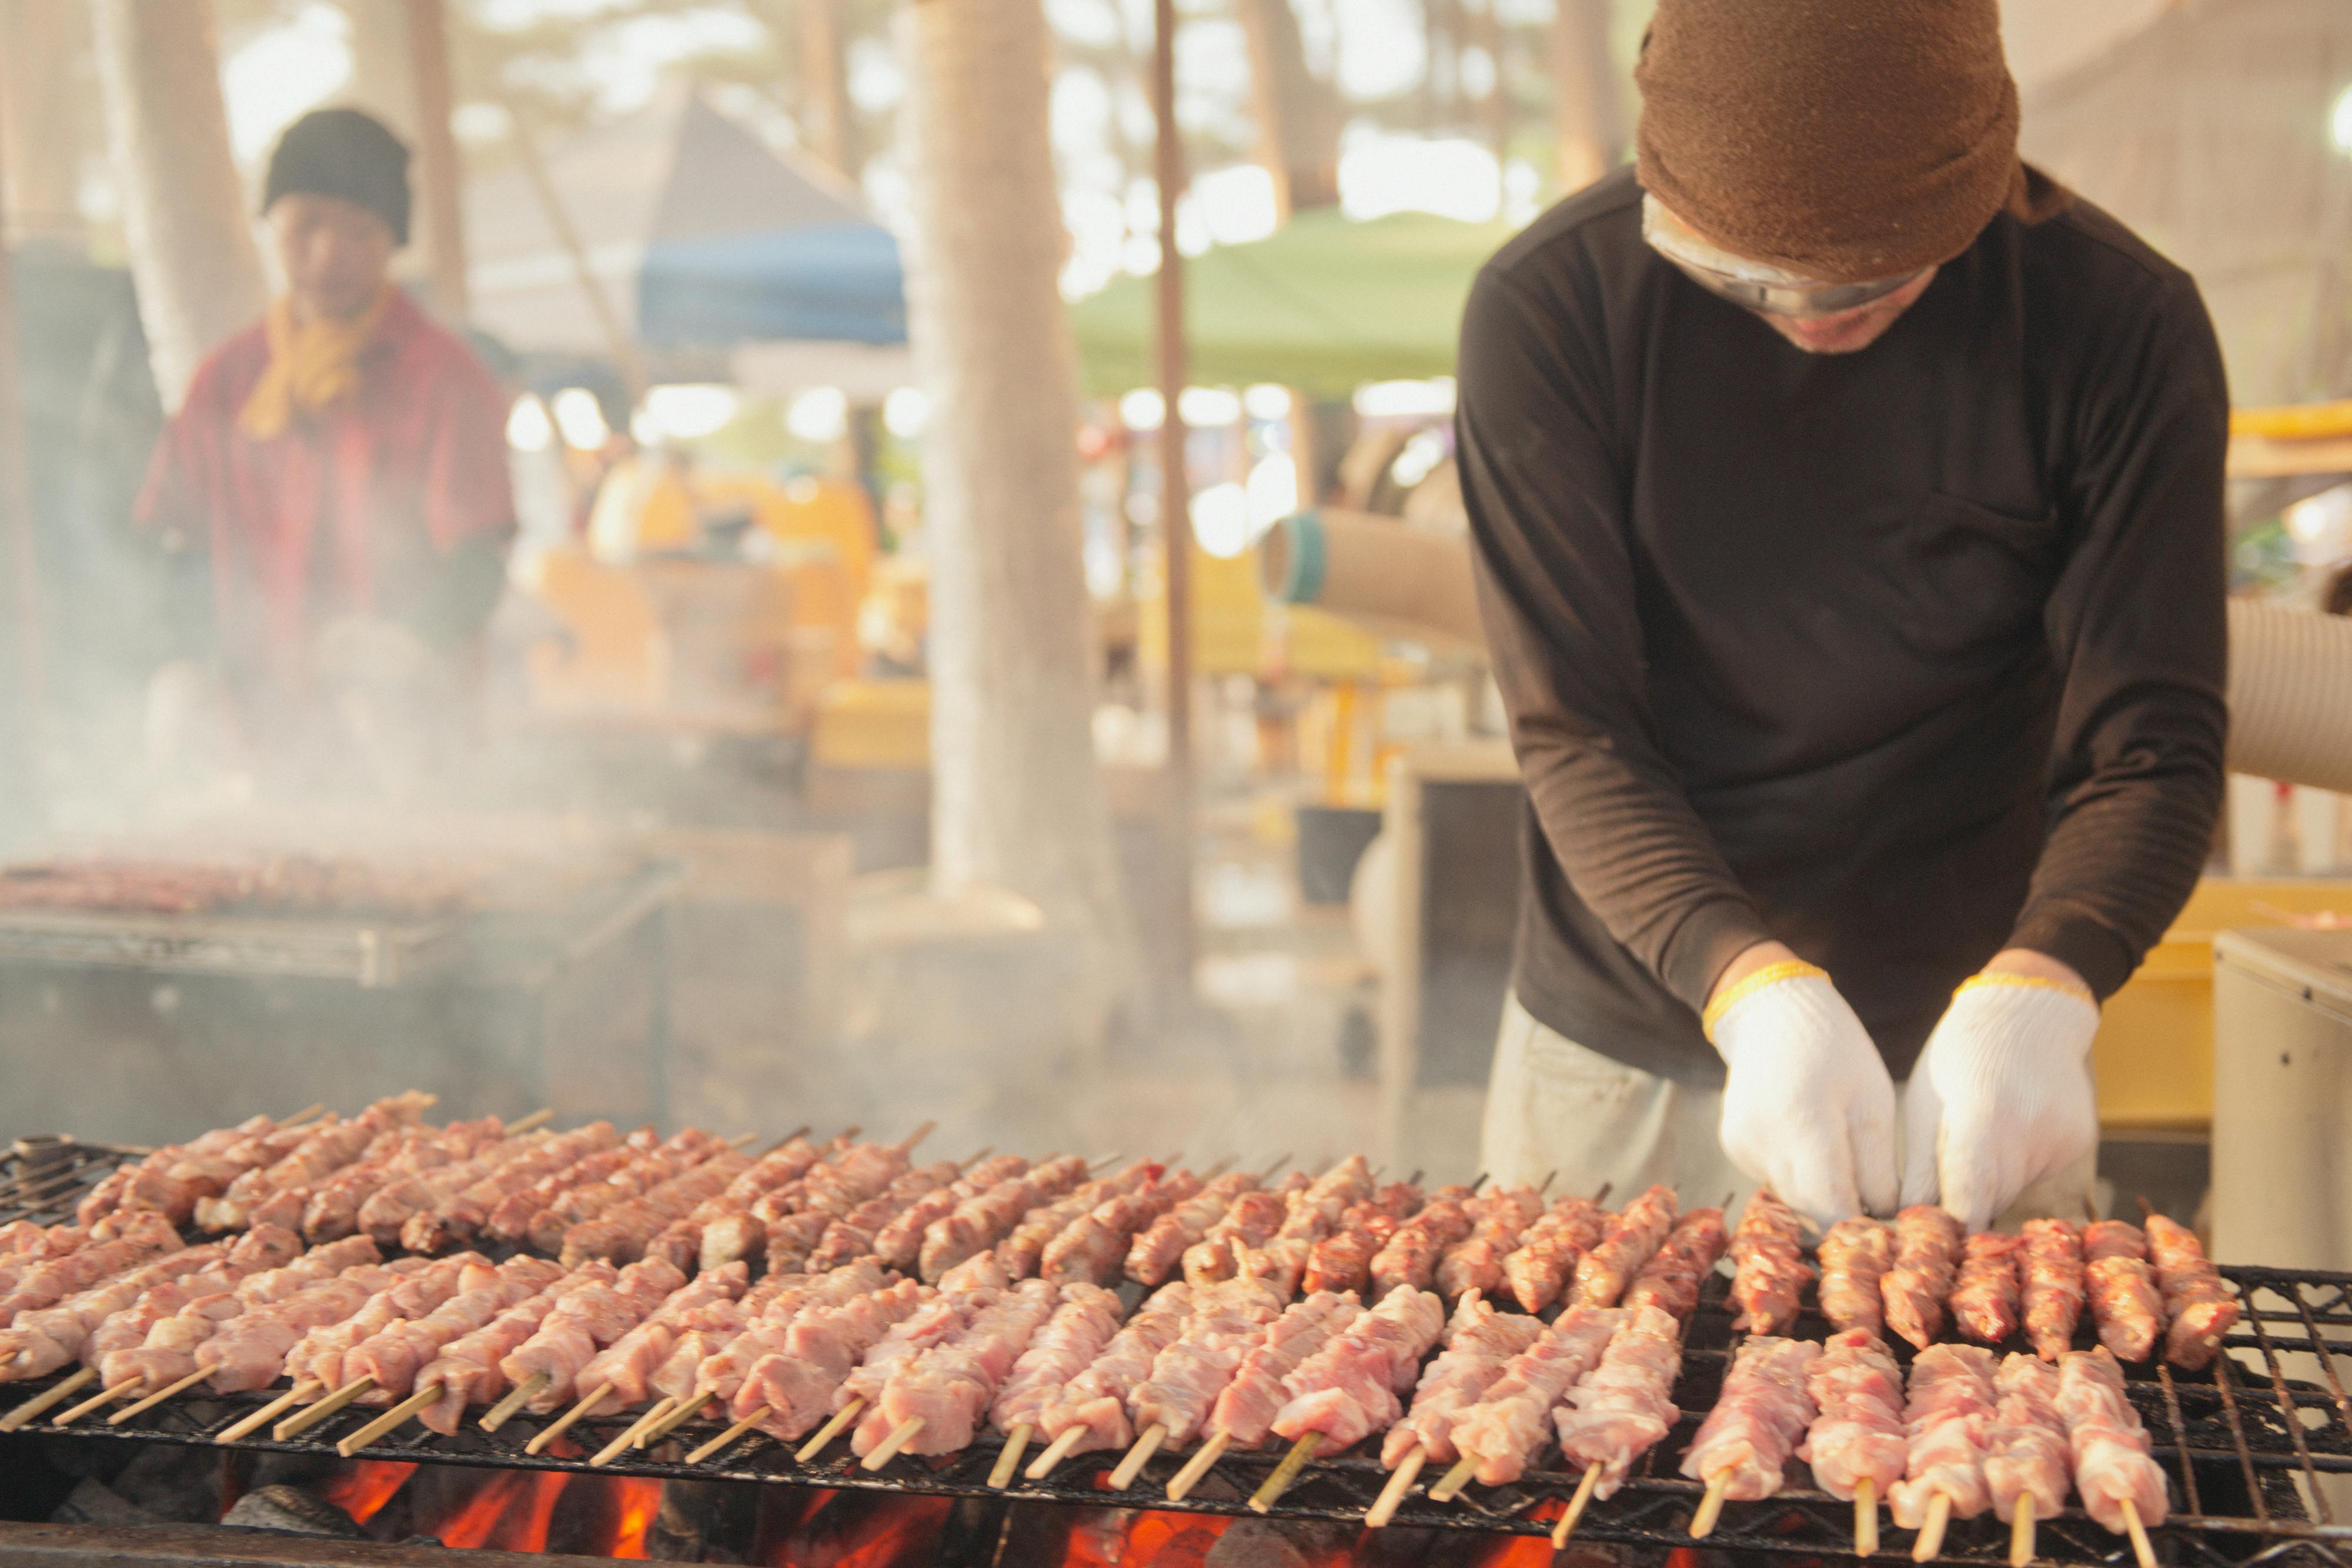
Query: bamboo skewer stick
{"points": [[1180, 1484], [887, 1449], [1278, 1479], [311, 1416], [1399, 1482], [641, 1431], [397, 1416], [238, 1431], [677, 1417], [127, 1386], [1137, 1456], [151, 1400], [1056, 1452], [829, 1431], [1576, 1506], [520, 1395], [626, 1440], [728, 1436], [1710, 1507], [1449, 1485], [907, 1145], [40, 1404], [2020, 1532], [1865, 1518], [532, 1122], [1001, 1475], [1931, 1534], [565, 1422], [307, 1114], [1267, 1174], [2141, 1549]]}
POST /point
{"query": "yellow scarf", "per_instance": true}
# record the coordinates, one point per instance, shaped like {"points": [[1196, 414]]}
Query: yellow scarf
{"points": [[311, 366]]}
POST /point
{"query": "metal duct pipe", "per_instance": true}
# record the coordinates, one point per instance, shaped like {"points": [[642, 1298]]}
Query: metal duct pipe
{"points": [[2290, 690], [1386, 577], [2290, 695]]}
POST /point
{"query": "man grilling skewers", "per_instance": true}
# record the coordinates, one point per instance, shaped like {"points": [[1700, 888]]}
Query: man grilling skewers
{"points": [[1846, 501]]}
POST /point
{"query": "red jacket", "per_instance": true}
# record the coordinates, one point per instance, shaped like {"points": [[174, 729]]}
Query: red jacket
{"points": [[349, 513]]}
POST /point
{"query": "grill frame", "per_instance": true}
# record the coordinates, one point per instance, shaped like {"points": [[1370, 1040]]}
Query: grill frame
{"points": [[2222, 1436]]}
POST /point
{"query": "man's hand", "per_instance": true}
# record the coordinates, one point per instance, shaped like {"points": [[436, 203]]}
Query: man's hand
{"points": [[2001, 1097], [1808, 1108]]}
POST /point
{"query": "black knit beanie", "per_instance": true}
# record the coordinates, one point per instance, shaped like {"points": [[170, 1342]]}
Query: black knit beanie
{"points": [[343, 152]]}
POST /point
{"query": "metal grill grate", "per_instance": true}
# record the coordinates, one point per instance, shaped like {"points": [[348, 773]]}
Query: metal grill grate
{"points": [[2248, 1446], [43, 1188]]}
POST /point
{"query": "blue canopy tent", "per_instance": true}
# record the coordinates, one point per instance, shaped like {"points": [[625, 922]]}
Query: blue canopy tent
{"points": [[702, 237]]}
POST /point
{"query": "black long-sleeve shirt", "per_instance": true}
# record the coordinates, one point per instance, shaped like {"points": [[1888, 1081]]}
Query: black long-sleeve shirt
{"points": [[1900, 657]]}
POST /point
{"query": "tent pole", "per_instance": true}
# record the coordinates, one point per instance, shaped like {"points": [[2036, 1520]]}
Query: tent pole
{"points": [[438, 168], [622, 348], [1175, 497]]}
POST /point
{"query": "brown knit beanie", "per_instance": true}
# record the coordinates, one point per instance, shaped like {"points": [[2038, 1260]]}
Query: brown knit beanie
{"points": [[1845, 140]]}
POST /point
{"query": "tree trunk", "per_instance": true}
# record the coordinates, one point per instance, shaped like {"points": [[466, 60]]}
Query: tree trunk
{"points": [[1590, 107], [1297, 115], [1017, 799], [440, 173], [825, 113], [22, 697], [184, 209], [41, 126]]}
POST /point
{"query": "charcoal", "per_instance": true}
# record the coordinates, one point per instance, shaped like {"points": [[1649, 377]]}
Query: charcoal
{"points": [[177, 1482], [294, 1511], [95, 1502], [1283, 1543]]}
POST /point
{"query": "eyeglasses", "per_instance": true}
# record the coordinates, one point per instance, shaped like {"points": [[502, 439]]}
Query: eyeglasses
{"points": [[1756, 284]]}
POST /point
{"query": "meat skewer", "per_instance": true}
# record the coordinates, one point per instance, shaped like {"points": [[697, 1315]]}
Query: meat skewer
{"points": [[1988, 1295], [1251, 1222], [1091, 1411], [1068, 1343], [2028, 1467], [173, 1179], [2119, 1482], [1951, 1400], [1499, 1218], [332, 1210], [1480, 1346], [544, 1231], [787, 1161], [1495, 1437], [1411, 1255], [324, 1148], [542, 1368], [2199, 1304], [1855, 1255], [798, 1215], [1159, 1248], [1743, 1446], [509, 1218], [1091, 1249], [2052, 1287], [1634, 1233], [1671, 1280], [460, 1219], [1342, 1260], [313, 1364], [1348, 1389], [979, 1222], [2124, 1301], [616, 1375], [899, 1243], [710, 1362], [1169, 1405], [1856, 1444], [780, 1374], [1619, 1411], [1245, 1409], [932, 1403], [1927, 1241], [622, 1233], [1770, 1270], [852, 1236]]}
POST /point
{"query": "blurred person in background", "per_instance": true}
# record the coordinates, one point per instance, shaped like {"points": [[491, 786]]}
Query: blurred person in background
{"points": [[343, 464], [1847, 505]]}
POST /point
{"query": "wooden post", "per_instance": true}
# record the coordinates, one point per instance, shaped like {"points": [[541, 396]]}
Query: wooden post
{"points": [[622, 348], [1175, 492], [440, 173]]}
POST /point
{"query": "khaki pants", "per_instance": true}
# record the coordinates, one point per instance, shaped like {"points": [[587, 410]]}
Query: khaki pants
{"points": [[1559, 1109]]}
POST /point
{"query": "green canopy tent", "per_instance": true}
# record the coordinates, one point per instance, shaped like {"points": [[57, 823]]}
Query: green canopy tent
{"points": [[1324, 304]]}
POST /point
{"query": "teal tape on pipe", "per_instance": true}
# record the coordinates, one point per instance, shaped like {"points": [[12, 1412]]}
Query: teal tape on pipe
{"points": [[1303, 583]]}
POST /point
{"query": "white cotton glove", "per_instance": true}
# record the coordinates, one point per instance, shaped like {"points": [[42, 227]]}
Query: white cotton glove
{"points": [[1808, 1108], [2001, 1097]]}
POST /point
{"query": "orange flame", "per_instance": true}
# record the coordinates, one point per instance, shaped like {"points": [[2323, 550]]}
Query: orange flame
{"points": [[640, 1503], [364, 1488]]}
